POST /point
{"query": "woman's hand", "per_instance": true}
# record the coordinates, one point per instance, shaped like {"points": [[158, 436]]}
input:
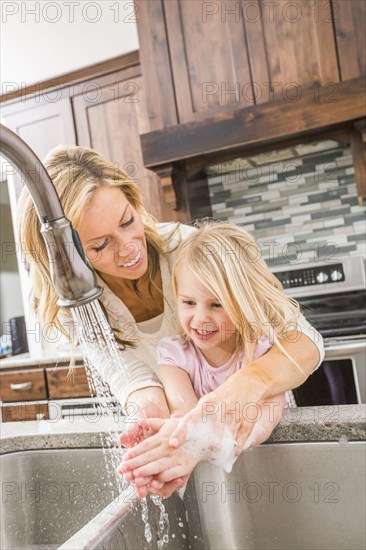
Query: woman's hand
{"points": [[155, 457], [236, 405], [142, 404]]}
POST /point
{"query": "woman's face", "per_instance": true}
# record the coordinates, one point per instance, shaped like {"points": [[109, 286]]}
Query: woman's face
{"points": [[113, 235]]}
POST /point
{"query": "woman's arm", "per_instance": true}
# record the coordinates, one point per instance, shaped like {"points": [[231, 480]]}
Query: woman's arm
{"points": [[178, 389], [274, 373]]}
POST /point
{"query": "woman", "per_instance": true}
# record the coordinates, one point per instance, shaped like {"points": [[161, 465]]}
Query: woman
{"points": [[133, 257]]}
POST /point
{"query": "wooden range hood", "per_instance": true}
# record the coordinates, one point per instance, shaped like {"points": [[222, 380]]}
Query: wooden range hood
{"points": [[182, 47], [262, 125]]}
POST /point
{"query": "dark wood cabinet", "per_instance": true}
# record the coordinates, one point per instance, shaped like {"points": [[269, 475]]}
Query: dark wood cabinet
{"points": [[349, 25], [229, 55], [246, 74], [25, 394]]}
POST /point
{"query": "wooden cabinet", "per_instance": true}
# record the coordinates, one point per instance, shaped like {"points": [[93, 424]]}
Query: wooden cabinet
{"points": [[64, 383], [112, 123], [241, 74], [349, 24], [19, 412], [26, 394], [107, 113], [229, 55], [26, 385]]}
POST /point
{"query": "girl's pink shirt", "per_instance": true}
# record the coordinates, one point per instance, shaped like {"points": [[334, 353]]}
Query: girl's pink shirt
{"points": [[177, 352]]}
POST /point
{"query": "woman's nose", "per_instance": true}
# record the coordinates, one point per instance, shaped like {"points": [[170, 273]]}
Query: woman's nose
{"points": [[125, 250]]}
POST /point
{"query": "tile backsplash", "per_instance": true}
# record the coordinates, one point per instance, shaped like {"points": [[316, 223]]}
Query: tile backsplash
{"points": [[299, 203]]}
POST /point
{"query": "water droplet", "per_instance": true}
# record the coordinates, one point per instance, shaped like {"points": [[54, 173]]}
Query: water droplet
{"points": [[343, 440]]}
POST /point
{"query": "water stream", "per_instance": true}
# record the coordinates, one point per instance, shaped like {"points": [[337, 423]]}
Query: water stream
{"points": [[101, 353]]}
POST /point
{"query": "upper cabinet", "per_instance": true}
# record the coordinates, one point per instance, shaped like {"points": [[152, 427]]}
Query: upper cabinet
{"points": [[349, 24], [42, 121], [204, 58], [232, 74], [103, 107]]}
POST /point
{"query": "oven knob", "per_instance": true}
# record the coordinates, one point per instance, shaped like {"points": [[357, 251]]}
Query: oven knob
{"points": [[322, 277], [336, 275]]}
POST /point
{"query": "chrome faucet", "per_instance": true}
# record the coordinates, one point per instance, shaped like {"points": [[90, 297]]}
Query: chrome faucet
{"points": [[73, 277]]}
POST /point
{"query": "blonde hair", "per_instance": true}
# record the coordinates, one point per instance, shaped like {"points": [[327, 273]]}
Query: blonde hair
{"points": [[228, 262], [77, 172]]}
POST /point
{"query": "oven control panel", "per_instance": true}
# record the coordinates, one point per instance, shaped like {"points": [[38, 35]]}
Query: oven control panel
{"points": [[309, 276]]}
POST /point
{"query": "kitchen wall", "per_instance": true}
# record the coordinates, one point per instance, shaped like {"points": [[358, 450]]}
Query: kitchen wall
{"points": [[41, 40], [299, 203]]}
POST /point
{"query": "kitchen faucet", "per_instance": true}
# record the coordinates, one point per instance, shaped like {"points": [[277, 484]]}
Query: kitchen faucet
{"points": [[73, 277]]}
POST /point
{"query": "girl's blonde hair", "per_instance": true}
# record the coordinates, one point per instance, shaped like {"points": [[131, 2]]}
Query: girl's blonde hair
{"points": [[77, 172], [228, 262]]}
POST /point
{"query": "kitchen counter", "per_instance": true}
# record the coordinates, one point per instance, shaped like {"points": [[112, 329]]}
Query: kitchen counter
{"points": [[334, 423], [25, 361]]}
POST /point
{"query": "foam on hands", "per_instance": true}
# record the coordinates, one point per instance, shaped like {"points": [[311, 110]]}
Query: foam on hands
{"points": [[218, 449]]}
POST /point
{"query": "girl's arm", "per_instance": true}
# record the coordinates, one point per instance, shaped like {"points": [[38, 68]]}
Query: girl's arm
{"points": [[178, 388]]}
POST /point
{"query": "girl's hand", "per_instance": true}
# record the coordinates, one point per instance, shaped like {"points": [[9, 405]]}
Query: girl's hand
{"points": [[155, 457]]}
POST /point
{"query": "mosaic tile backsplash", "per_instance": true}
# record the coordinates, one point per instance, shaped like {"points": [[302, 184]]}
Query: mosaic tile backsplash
{"points": [[300, 203]]}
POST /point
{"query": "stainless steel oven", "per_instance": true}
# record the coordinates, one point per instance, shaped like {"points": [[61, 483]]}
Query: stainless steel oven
{"points": [[332, 296]]}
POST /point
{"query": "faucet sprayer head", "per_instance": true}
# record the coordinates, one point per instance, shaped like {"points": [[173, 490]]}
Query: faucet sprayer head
{"points": [[73, 277]]}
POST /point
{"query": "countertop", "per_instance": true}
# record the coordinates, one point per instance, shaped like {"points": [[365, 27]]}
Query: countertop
{"points": [[24, 360], [334, 423]]}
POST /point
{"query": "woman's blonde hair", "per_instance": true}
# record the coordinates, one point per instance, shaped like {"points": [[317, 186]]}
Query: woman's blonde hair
{"points": [[77, 172], [228, 262]]}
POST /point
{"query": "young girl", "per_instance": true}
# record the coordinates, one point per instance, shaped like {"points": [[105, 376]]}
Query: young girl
{"points": [[231, 311], [225, 324]]}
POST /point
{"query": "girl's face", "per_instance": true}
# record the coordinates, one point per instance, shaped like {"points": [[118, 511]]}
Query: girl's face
{"points": [[113, 235], [202, 316]]}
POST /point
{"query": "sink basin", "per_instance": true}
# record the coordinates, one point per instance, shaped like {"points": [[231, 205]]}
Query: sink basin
{"points": [[278, 497], [286, 496], [48, 495]]}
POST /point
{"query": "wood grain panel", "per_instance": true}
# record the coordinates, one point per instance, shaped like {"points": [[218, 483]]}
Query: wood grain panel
{"points": [[209, 58], [26, 385], [15, 412], [155, 63], [300, 45], [112, 125], [320, 109], [64, 383], [350, 27]]}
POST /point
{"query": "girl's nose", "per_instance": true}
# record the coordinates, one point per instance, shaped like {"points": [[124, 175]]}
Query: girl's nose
{"points": [[202, 317]]}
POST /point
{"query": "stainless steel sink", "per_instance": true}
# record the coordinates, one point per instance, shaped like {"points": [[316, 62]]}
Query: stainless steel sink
{"points": [[48, 495], [278, 496], [286, 496]]}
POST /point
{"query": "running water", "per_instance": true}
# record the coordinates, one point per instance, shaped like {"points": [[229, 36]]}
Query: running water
{"points": [[101, 354]]}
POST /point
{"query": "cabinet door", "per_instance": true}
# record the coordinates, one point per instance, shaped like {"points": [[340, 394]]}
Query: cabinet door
{"points": [[229, 55], [350, 25], [110, 116], [63, 383], [26, 385], [42, 124]]}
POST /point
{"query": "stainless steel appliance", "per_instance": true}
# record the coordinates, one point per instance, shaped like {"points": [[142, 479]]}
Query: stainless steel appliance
{"points": [[332, 296]]}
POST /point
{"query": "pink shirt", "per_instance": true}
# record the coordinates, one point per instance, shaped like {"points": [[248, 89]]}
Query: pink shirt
{"points": [[175, 351]]}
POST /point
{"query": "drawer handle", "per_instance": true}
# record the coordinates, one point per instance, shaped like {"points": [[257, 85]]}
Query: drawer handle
{"points": [[22, 386]]}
